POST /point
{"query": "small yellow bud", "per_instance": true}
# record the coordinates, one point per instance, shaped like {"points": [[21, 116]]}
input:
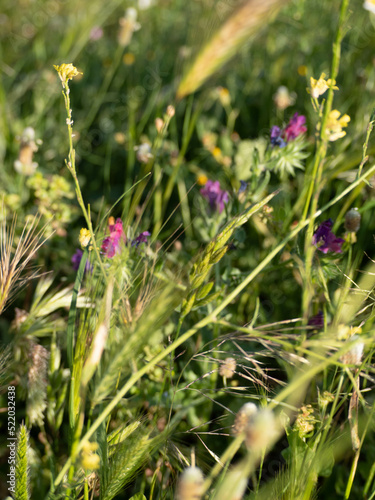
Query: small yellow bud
{"points": [[202, 179], [128, 58], [170, 111], [84, 237], [159, 123], [224, 96]]}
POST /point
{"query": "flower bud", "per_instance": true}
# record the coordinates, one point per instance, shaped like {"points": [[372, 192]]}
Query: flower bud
{"points": [[227, 368], [353, 220], [170, 111], [159, 123]]}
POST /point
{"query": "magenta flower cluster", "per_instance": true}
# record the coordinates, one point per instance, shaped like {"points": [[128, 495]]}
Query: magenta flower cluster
{"points": [[215, 196], [111, 244], [325, 240], [295, 128]]}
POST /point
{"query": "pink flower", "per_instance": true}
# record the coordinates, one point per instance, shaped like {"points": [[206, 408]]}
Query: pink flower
{"points": [[111, 244], [215, 195], [96, 33], [295, 127]]}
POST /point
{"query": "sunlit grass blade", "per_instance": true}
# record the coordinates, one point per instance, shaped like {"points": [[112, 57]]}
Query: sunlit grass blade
{"points": [[250, 17]]}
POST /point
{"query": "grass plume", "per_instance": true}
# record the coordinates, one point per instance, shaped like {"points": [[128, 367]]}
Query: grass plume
{"points": [[14, 262], [245, 21]]}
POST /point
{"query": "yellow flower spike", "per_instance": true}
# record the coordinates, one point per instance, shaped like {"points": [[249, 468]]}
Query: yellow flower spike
{"points": [[67, 72], [318, 87], [84, 237], [334, 127]]}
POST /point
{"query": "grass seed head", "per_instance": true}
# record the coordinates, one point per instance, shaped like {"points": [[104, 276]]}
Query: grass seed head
{"points": [[190, 485], [227, 369]]}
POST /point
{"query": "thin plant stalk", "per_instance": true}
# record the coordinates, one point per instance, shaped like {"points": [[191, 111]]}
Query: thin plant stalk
{"points": [[317, 170], [71, 165]]}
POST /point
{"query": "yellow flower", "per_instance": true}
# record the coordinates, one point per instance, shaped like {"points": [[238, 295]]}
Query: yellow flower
{"points": [[120, 137], [318, 87], [128, 58], [334, 126], [302, 70], [369, 5], [202, 179], [67, 72], [89, 459], [224, 96], [216, 153], [84, 237]]}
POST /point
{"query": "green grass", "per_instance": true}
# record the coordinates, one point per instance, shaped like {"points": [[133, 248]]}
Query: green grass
{"points": [[203, 347]]}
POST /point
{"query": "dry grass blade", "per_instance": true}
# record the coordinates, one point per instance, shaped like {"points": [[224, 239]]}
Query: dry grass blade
{"points": [[14, 262], [245, 21]]}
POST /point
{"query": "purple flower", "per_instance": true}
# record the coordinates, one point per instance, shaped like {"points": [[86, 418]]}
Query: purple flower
{"points": [[111, 244], [317, 320], [142, 238], [243, 187], [325, 240], [215, 196], [76, 260], [295, 127], [276, 139]]}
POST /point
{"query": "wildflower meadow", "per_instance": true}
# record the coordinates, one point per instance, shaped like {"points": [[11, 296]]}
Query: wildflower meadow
{"points": [[187, 249]]}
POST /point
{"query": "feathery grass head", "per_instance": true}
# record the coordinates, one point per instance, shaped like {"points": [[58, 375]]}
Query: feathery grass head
{"points": [[37, 384], [190, 484], [14, 261]]}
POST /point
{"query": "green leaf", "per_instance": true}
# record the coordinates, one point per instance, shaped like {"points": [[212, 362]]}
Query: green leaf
{"points": [[73, 308]]}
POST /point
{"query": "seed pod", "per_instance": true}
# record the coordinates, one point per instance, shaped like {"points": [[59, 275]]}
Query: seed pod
{"points": [[353, 220]]}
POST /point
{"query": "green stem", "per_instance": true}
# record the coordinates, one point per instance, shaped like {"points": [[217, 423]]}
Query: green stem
{"points": [[317, 171], [72, 169]]}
